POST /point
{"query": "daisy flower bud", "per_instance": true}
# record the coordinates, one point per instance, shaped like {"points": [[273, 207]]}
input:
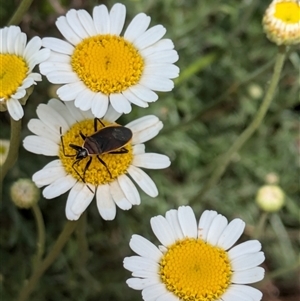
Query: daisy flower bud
{"points": [[24, 193], [281, 22], [4, 147], [270, 198]]}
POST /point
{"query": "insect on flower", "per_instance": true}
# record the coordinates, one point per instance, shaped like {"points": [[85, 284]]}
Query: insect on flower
{"points": [[109, 139]]}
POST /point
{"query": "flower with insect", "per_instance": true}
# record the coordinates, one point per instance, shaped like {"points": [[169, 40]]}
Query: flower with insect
{"points": [[95, 157]]}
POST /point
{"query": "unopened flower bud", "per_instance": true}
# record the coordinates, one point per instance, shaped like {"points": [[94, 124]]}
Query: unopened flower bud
{"points": [[281, 22], [4, 147], [24, 193], [270, 198]]}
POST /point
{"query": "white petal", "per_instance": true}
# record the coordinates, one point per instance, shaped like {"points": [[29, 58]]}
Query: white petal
{"points": [[138, 149], [111, 115], [105, 203], [52, 118], [62, 77], [151, 161], [205, 222], [82, 199], [144, 248], [3, 37], [67, 31], [134, 99], [49, 66], [13, 32], [142, 123], [147, 134], [162, 57], [168, 297], [143, 180], [149, 37], [217, 226], [247, 261], [99, 105], [172, 218], [154, 291], [15, 109], [84, 100], [143, 93], [162, 70], [101, 19], [248, 276], [252, 292], [70, 91], [162, 230], [75, 112], [87, 22], [187, 221], [58, 187], [41, 146], [58, 45], [136, 263], [61, 108], [231, 234], [129, 190], [20, 43], [247, 247], [137, 26], [232, 294], [157, 83], [140, 283], [19, 94], [32, 48], [71, 198], [161, 45], [46, 176], [118, 196], [75, 24], [120, 103], [37, 127], [59, 58], [117, 18]]}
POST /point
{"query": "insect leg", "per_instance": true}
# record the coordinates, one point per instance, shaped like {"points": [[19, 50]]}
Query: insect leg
{"points": [[63, 145], [95, 124], [82, 136], [120, 151], [103, 163], [80, 176]]}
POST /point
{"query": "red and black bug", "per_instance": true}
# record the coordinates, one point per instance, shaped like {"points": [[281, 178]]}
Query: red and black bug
{"points": [[110, 139]]}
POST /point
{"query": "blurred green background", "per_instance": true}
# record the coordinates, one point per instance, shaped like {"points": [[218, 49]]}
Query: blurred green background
{"points": [[226, 63]]}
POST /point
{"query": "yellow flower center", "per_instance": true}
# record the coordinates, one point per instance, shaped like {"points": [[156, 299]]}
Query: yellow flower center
{"points": [[195, 271], [288, 12], [96, 173], [107, 63], [13, 70]]}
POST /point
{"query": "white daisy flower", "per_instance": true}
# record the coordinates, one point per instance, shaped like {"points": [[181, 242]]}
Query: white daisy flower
{"points": [[17, 62], [195, 261], [97, 66], [281, 22], [63, 130]]}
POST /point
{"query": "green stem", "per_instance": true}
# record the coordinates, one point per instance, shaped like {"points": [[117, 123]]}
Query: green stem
{"points": [[45, 264], [82, 241], [40, 245], [260, 228], [13, 149], [219, 100], [253, 126], [20, 12]]}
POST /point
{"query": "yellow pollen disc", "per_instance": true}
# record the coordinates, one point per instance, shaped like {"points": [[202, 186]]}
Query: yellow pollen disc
{"points": [[194, 270], [288, 12], [96, 173], [107, 63], [13, 70]]}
